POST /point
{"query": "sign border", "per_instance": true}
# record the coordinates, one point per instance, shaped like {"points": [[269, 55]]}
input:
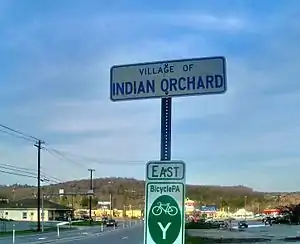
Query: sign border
{"points": [[165, 162], [182, 212], [167, 61]]}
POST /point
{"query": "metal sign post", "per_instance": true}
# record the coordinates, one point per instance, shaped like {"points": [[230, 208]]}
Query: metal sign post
{"points": [[165, 180], [165, 134]]}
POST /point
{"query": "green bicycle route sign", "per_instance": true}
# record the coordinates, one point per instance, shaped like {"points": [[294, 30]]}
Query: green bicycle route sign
{"points": [[164, 208]]}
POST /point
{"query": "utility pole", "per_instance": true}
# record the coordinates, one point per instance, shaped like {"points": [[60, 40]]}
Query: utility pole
{"points": [[245, 204], [91, 188], [110, 205], [39, 147]]}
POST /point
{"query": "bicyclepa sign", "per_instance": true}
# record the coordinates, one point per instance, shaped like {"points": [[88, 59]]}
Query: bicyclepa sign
{"points": [[164, 223]]}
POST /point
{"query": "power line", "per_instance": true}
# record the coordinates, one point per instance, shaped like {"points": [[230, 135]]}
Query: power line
{"points": [[16, 167], [37, 144], [17, 136], [103, 161], [29, 172], [57, 154], [17, 174], [45, 175], [51, 177], [19, 132]]}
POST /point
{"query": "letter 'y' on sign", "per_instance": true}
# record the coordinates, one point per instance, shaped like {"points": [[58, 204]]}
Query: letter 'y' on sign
{"points": [[164, 229]]}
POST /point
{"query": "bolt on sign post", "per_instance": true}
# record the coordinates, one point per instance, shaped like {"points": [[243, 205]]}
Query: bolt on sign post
{"points": [[165, 192]]}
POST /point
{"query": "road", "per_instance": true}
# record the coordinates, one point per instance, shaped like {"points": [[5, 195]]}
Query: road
{"points": [[128, 234], [131, 235]]}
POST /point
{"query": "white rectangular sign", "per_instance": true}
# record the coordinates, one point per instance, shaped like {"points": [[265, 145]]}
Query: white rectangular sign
{"points": [[165, 170], [186, 77], [165, 218]]}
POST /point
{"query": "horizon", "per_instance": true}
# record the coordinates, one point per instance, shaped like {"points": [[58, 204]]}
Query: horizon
{"points": [[55, 62], [143, 180]]}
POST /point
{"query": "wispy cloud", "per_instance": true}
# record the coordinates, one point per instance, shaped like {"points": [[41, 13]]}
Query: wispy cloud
{"points": [[56, 86]]}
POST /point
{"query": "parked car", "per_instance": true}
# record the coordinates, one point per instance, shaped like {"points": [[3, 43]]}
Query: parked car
{"points": [[242, 224], [111, 222]]}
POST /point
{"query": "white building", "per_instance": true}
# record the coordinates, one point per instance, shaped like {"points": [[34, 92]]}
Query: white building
{"points": [[242, 214], [26, 210]]}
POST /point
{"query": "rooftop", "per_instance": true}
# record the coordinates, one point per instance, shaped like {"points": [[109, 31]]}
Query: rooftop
{"points": [[31, 203]]}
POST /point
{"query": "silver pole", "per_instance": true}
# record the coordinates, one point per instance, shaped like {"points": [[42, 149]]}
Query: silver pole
{"points": [[110, 206], [14, 234]]}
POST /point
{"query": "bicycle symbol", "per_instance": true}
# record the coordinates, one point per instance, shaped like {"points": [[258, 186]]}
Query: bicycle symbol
{"points": [[166, 208]]}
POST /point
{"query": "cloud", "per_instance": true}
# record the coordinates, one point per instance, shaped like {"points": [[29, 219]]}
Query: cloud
{"points": [[198, 21], [59, 91]]}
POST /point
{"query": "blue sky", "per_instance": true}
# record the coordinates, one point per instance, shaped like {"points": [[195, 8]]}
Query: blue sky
{"points": [[55, 58]]}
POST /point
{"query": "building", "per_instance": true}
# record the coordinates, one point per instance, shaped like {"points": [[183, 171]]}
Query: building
{"points": [[189, 205], [26, 210], [208, 210], [272, 212], [243, 214]]}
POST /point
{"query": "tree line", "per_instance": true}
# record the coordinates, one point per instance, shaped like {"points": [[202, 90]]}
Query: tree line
{"points": [[129, 191]]}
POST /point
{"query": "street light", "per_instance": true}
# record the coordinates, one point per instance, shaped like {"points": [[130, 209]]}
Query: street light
{"points": [[245, 203], [43, 213], [110, 199], [91, 193]]}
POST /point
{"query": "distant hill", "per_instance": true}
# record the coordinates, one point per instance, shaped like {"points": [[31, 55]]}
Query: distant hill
{"points": [[129, 191]]}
